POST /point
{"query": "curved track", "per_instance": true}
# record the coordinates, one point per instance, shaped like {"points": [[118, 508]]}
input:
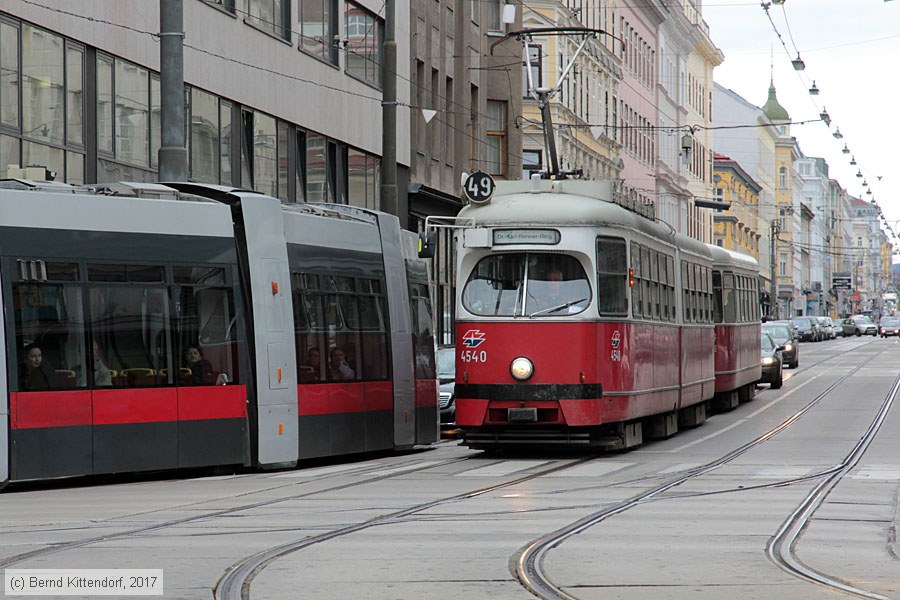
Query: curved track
{"points": [[528, 562]]}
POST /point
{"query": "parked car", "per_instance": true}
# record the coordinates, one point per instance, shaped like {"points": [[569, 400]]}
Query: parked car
{"points": [[859, 325], [889, 326], [827, 326], [788, 323], [446, 371], [807, 329], [783, 335], [771, 361]]}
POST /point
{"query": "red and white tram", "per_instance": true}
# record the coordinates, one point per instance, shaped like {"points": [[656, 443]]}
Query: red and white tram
{"points": [[737, 315], [581, 322]]}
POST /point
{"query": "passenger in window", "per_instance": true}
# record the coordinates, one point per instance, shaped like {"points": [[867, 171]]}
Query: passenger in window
{"points": [[311, 368], [202, 372], [35, 374], [338, 368], [102, 373]]}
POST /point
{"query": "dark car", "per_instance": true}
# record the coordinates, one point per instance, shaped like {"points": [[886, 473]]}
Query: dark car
{"points": [[783, 335], [859, 325], [807, 329], [446, 371], [889, 326], [771, 361]]}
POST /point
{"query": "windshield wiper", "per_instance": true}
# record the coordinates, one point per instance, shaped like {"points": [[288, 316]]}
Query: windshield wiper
{"points": [[553, 309]]}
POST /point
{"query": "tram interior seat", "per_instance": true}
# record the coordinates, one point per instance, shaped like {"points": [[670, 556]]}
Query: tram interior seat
{"points": [[307, 374], [66, 378]]}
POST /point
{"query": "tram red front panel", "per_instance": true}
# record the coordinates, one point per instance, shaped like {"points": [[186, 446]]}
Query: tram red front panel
{"points": [[637, 365], [737, 356]]}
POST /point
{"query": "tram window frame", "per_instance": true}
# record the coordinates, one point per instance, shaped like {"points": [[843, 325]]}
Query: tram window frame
{"points": [[717, 296], [612, 276], [646, 283], [670, 273], [636, 296], [63, 359], [333, 318], [729, 300], [218, 345]]}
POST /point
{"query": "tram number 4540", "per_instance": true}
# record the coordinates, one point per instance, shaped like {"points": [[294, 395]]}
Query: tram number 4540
{"points": [[473, 356]]}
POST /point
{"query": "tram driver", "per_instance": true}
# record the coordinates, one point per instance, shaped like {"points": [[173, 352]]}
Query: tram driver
{"points": [[557, 295]]}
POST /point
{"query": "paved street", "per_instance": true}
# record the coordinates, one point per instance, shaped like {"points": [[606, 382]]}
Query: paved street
{"points": [[449, 522]]}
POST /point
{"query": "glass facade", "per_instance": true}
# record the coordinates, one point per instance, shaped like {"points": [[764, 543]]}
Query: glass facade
{"points": [[46, 80]]}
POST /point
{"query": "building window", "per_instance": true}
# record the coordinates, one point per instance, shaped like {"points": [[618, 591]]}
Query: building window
{"points": [[318, 26], [782, 264], [272, 16], [204, 142], [531, 163], [782, 178], [41, 102], [364, 33], [259, 151], [495, 125], [534, 66], [363, 179], [494, 9]]}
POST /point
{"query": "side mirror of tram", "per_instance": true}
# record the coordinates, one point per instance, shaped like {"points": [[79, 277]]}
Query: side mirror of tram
{"points": [[427, 242]]}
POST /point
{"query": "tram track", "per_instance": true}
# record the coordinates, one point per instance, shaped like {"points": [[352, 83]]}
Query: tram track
{"points": [[781, 549], [235, 583], [527, 563], [136, 531]]}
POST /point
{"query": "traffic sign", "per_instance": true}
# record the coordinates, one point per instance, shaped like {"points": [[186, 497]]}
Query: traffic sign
{"points": [[479, 187]]}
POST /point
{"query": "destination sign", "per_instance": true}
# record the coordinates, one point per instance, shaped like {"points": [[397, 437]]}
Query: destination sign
{"points": [[526, 236]]}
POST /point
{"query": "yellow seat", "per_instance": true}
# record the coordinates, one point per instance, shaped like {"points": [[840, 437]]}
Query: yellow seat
{"points": [[181, 371], [139, 371]]}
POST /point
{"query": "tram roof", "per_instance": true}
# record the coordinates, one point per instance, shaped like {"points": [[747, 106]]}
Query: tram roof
{"points": [[730, 257], [567, 203]]}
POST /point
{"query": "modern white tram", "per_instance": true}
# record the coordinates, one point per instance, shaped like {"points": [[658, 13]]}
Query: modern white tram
{"points": [[152, 327]]}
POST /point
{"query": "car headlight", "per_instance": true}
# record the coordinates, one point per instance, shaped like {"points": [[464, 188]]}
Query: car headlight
{"points": [[768, 360], [788, 347], [521, 368]]}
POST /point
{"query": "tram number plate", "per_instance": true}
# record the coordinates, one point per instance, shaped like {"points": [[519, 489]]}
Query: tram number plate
{"points": [[522, 415]]}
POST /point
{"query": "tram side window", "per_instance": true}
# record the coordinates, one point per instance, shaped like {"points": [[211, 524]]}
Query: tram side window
{"points": [[637, 304], [423, 335], [703, 292], [645, 282], [373, 323], [130, 325], [50, 336], [729, 304], [340, 328], [612, 276], [206, 338], [717, 296]]}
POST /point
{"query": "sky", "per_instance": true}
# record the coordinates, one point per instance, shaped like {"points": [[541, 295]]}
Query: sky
{"points": [[851, 49]]}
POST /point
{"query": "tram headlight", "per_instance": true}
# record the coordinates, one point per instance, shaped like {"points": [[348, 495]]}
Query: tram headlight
{"points": [[521, 368]]}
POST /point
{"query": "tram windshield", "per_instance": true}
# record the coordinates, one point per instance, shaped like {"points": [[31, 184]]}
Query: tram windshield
{"points": [[527, 285]]}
